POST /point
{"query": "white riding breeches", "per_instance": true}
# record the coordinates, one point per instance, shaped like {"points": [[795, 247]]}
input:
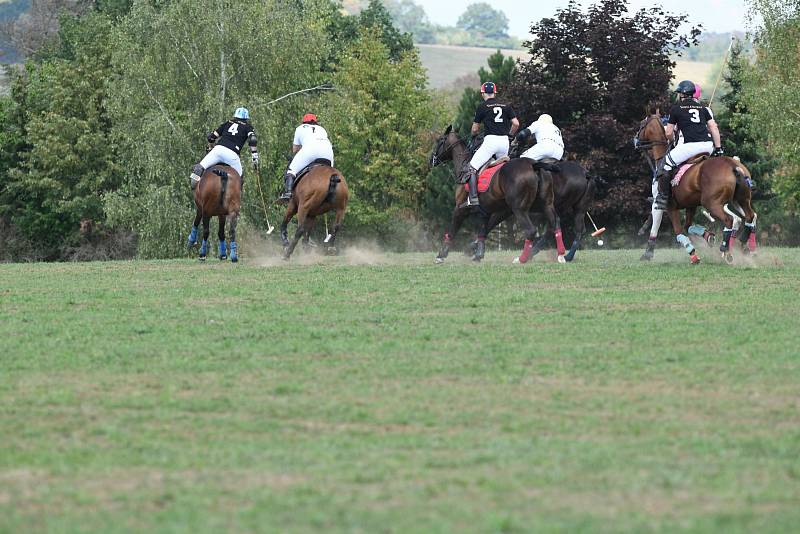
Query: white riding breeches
{"points": [[307, 154], [544, 149], [684, 151], [221, 154], [493, 146]]}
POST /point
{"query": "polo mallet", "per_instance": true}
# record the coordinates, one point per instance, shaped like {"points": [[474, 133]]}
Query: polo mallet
{"points": [[270, 228], [597, 231]]}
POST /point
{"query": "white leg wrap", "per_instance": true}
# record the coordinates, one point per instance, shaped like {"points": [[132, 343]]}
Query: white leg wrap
{"points": [[737, 221], [658, 215], [753, 224]]}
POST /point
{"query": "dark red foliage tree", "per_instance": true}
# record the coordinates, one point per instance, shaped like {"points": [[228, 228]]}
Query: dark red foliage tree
{"points": [[597, 72]]}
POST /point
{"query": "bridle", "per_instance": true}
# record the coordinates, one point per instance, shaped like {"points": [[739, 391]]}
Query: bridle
{"points": [[435, 159], [646, 146]]}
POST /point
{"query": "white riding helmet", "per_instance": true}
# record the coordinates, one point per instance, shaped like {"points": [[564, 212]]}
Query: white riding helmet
{"points": [[241, 113], [545, 118]]}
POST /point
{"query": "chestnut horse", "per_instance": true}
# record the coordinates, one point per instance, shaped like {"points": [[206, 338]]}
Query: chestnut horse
{"points": [[320, 190], [718, 184], [519, 186], [219, 193]]}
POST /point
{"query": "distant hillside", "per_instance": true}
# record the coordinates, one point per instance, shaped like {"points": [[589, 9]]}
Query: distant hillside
{"points": [[446, 64]]}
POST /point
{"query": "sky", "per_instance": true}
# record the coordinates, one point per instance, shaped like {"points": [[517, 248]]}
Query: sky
{"points": [[714, 15]]}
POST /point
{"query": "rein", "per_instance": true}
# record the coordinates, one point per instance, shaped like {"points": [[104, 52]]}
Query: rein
{"points": [[647, 146], [436, 161]]}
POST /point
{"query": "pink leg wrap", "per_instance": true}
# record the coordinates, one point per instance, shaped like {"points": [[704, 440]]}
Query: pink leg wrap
{"points": [[447, 238], [751, 242], [526, 251], [560, 243]]}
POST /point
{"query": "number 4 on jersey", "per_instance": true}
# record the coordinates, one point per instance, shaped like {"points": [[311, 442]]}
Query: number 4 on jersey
{"points": [[234, 129]]}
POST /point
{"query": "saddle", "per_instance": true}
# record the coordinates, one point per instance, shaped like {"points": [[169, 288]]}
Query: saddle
{"points": [[487, 172], [685, 166], [308, 168]]}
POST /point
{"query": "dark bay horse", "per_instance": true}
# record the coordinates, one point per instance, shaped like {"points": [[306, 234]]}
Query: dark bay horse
{"points": [[319, 191], [519, 186], [219, 194], [717, 184]]}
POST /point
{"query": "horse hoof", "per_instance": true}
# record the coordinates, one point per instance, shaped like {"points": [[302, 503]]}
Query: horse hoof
{"points": [[477, 259], [202, 258], [234, 259], [694, 259], [516, 261], [331, 251], [728, 257], [562, 259], [438, 260], [646, 257], [223, 258]]}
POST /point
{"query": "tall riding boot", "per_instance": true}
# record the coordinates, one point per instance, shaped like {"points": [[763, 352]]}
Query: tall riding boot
{"points": [[197, 173], [472, 199], [288, 182]]}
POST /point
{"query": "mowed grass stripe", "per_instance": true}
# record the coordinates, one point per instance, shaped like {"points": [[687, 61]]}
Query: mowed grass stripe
{"points": [[603, 395]]}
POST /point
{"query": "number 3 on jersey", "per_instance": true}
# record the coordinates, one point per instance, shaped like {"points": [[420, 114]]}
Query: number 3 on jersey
{"points": [[234, 129], [695, 113], [498, 114]]}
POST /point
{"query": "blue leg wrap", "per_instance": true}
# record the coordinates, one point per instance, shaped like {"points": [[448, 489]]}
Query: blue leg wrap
{"points": [[223, 250], [697, 229], [203, 248], [572, 250], [234, 252], [192, 237], [687, 244]]}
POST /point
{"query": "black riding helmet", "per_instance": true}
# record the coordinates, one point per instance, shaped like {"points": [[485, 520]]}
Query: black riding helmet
{"points": [[686, 87]]}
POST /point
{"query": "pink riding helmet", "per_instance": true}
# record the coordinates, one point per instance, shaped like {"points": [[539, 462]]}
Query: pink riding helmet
{"points": [[698, 92]]}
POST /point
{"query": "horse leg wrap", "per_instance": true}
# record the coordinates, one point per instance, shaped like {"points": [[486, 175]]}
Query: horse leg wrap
{"points": [[526, 251], [447, 238], [223, 250], [560, 242], [697, 229], [572, 250], [727, 234], [658, 216], [234, 252], [686, 243], [480, 249], [192, 237], [204, 248], [737, 220]]}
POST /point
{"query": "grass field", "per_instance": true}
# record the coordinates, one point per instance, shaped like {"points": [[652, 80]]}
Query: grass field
{"points": [[445, 64], [382, 393]]}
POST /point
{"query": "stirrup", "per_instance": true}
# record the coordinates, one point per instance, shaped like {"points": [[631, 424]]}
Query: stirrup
{"points": [[285, 196], [470, 202]]}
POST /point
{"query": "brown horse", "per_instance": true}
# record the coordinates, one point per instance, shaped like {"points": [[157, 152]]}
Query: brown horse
{"points": [[519, 186], [718, 184], [219, 194], [320, 190]]}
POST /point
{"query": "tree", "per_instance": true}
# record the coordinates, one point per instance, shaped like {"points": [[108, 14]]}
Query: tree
{"points": [[411, 18], [597, 73], [377, 121], [67, 164], [38, 26], [346, 30], [771, 95], [484, 19]]}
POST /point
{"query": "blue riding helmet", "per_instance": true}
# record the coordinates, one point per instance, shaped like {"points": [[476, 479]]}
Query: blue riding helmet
{"points": [[241, 113]]}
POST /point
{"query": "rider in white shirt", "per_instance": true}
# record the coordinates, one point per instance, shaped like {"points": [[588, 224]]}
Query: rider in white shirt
{"points": [[310, 143], [548, 139]]}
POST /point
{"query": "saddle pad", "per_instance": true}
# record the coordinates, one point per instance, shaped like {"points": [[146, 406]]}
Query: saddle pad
{"points": [[485, 179], [678, 175]]}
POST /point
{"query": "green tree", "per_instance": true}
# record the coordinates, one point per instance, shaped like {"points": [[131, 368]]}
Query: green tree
{"points": [[771, 94], [69, 162], [410, 17], [378, 121], [484, 19]]}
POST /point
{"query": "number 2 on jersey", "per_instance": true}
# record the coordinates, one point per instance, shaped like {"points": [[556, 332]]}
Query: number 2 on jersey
{"points": [[498, 114]]}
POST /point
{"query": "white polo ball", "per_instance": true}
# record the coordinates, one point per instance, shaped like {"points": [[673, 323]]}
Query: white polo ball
{"points": [[599, 242]]}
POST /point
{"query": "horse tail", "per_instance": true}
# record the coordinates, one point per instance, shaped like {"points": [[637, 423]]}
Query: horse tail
{"points": [[224, 177], [597, 185], [332, 183], [741, 187]]}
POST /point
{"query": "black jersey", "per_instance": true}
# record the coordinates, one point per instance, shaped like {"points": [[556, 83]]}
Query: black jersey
{"points": [[495, 117], [692, 118], [234, 134]]}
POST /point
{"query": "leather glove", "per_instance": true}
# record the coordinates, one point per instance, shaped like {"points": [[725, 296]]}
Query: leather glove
{"points": [[718, 151]]}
